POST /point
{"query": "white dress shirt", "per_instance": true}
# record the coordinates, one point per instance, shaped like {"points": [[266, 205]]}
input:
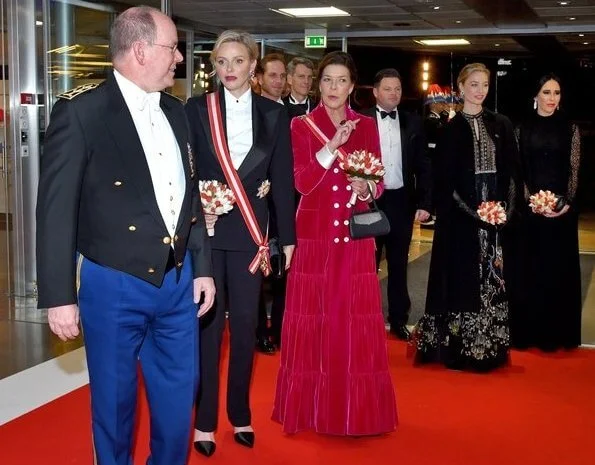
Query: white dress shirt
{"points": [[390, 146], [295, 101], [238, 120], [161, 148]]}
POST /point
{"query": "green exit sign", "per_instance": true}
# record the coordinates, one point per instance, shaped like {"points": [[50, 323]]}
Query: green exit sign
{"points": [[315, 42]]}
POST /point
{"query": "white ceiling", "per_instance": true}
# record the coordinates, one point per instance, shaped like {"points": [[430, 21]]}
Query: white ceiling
{"points": [[395, 22]]}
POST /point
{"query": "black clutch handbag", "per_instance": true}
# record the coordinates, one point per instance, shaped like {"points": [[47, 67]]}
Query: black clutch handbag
{"points": [[560, 204], [371, 223], [277, 258]]}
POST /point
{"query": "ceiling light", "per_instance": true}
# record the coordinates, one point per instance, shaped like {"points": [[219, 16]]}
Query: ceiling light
{"points": [[497, 45], [312, 12], [581, 35], [585, 43], [439, 42], [563, 3], [436, 8], [458, 21], [39, 23], [572, 18]]}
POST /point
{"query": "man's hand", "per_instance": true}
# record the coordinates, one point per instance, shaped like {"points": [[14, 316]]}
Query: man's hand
{"points": [[422, 216], [204, 286], [64, 321], [288, 251]]}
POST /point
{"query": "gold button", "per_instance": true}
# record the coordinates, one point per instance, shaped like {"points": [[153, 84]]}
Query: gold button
{"points": [[118, 183], [194, 219], [179, 265], [176, 238], [151, 270], [167, 240], [132, 228]]}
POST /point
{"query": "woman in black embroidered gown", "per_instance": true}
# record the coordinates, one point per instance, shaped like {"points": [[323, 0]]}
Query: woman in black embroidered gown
{"points": [[550, 153], [465, 325]]}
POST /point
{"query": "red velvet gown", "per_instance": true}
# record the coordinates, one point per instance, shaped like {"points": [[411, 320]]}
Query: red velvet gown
{"points": [[334, 375]]}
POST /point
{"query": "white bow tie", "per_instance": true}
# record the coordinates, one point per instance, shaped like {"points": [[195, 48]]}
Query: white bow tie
{"points": [[151, 99]]}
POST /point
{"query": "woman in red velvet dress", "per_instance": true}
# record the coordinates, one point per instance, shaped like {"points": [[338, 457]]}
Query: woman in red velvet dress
{"points": [[334, 375]]}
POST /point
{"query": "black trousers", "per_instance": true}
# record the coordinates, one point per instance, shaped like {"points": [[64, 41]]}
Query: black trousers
{"points": [[238, 292], [400, 214], [278, 288]]}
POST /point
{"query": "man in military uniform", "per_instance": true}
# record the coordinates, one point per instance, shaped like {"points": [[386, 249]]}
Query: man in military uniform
{"points": [[118, 191]]}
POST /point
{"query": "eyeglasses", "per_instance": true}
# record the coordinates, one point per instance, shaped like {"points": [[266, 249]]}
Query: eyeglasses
{"points": [[172, 48]]}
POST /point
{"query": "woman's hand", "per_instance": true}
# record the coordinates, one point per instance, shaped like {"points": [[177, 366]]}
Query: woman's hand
{"points": [[342, 134], [210, 220], [288, 251], [557, 214], [359, 186]]}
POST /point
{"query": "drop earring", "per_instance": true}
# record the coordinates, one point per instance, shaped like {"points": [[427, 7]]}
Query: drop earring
{"points": [[535, 104]]}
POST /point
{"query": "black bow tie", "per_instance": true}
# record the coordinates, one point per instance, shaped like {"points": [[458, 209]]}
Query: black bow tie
{"points": [[384, 114]]}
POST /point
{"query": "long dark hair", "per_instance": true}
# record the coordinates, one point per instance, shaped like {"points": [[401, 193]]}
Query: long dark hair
{"points": [[543, 79]]}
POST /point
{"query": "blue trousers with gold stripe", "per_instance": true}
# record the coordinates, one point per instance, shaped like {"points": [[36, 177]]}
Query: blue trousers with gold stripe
{"points": [[127, 322]]}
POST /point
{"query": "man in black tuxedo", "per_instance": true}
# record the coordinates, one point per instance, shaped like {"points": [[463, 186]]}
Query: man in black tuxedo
{"points": [[118, 188], [300, 76], [272, 77], [407, 195]]}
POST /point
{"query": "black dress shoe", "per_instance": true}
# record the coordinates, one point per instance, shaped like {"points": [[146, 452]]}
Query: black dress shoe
{"points": [[265, 346], [206, 448], [400, 332], [244, 438]]}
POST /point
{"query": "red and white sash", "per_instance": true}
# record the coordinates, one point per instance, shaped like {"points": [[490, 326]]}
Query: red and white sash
{"points": [[318, 133], [261, 259]]}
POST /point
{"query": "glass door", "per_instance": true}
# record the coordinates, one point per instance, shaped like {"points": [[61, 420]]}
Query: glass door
{"points": [[5, 168]]}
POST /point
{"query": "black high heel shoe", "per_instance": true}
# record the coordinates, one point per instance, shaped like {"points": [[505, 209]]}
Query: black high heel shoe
{"points": [[244, 438], [206, 448]]}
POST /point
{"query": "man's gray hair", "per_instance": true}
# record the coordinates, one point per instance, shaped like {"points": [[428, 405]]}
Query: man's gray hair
{"points": [[292, 65], [133, 25]]}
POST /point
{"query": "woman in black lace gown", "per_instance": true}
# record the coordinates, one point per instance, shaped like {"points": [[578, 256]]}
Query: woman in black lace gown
{"points": [[465, 325], [550, 153]]}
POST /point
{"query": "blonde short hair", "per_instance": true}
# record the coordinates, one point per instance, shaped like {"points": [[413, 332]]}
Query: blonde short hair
{"points": [[240, 37], [469, 69]]}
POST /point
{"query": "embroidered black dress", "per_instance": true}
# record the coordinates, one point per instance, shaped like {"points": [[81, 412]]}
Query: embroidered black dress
{"points": [[465, 325], [550, 315]]}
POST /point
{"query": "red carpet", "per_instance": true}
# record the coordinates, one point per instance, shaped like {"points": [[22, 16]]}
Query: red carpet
{"points": [[539, 411]]}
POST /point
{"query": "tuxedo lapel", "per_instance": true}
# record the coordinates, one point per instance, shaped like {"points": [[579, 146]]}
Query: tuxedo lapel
{"points": [[404, 143], [203, 113], [260, 140], [120, 124]]}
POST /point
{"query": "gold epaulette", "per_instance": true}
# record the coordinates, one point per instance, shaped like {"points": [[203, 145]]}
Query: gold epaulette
{"points": [[72, 93], [173, 96]]}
